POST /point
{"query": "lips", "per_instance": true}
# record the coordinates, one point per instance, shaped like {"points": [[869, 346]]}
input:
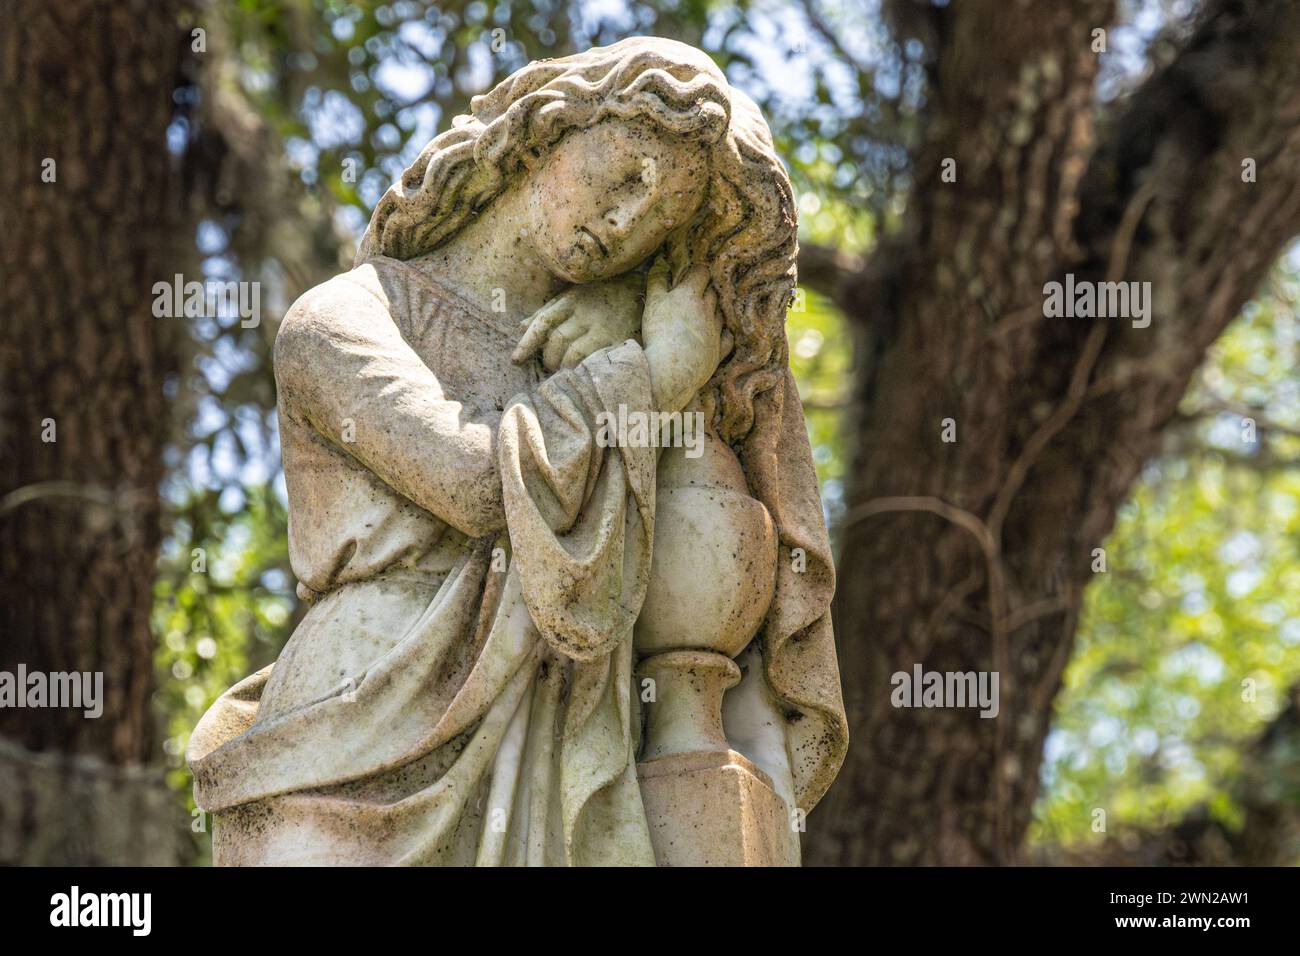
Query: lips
{"points": [[604, 250]]}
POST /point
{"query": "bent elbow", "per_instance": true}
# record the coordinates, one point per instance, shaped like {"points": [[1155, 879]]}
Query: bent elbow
{"points": [[483, 513]]}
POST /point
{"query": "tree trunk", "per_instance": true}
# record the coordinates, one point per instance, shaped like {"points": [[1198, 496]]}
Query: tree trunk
{"points": [[972, 555], [91, 222]]}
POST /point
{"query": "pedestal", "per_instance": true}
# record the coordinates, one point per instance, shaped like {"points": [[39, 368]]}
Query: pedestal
{"points": [[715, 809]]}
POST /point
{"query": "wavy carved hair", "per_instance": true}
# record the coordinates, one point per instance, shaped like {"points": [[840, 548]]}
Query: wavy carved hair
{"points": [[744, 232]]}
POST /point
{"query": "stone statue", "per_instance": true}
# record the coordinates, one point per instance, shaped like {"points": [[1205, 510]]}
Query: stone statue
{"points": [[542, 631]]}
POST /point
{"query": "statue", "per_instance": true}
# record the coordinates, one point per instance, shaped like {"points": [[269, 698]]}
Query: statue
{"points": [[539, 634]]}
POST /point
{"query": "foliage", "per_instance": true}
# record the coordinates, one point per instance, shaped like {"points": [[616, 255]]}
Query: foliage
{"points": [[1191, 639], [821, 357], [224, 605]]}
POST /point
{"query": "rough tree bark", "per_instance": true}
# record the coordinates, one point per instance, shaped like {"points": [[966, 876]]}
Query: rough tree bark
{"points": [[83, 363], [973, 555]]}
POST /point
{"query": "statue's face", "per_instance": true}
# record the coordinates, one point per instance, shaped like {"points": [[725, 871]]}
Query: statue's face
{"points": [[607, 197]]}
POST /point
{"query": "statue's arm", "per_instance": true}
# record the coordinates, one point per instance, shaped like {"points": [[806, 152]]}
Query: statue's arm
{"points": [[343, 369]]}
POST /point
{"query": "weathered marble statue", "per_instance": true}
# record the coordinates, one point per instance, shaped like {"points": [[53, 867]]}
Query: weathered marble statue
{"points": [[529, 642]]}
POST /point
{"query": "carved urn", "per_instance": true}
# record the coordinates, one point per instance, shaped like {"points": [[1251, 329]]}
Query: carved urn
{"points": [[712, 579]]}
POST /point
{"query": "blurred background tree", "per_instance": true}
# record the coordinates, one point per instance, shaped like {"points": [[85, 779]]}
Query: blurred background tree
{"points": [[921, 301]]}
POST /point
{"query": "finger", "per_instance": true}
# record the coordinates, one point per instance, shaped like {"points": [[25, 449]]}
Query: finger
{"points": [[697, 278], [656, 280], [580, 349], [561, 338], [710, 300], [556, 346], [540, 325], [573, 328]]}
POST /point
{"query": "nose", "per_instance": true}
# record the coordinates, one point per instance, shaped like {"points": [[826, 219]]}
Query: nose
{"points": [[620, 219]]}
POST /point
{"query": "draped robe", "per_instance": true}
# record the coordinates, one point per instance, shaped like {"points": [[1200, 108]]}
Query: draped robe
{"points": [[460, 691]]}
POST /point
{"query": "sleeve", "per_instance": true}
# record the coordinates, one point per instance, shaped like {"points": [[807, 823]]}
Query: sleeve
{"points": [[580, 510], [343, 368]]}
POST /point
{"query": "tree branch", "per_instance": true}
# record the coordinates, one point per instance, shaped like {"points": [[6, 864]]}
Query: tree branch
{"points": [[827, 270]]}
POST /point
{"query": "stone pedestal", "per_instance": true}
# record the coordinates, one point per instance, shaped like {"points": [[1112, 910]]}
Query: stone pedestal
{"points": [[715, 808]]}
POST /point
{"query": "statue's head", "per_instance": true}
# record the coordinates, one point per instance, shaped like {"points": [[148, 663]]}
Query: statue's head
{"points": [[625, 150], [608, 196]]}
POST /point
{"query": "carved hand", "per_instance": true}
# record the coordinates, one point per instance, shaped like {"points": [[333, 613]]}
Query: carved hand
{"points": [[582, 320], [682, 330]]}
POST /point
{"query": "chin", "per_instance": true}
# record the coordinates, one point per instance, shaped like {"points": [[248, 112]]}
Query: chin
{"points": [[577, 267]]}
